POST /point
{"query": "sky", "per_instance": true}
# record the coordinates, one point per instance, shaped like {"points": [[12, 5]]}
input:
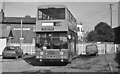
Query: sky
{"points": [[89, 13]]}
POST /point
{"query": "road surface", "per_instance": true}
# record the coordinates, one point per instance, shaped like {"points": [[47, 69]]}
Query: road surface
{"points": [[80, 64]]}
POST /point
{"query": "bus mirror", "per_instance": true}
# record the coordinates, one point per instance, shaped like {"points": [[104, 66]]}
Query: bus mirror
{"points": [[69, 36]]}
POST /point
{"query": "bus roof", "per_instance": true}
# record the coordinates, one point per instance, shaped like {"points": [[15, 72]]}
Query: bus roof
{"points": [[51, 6]]}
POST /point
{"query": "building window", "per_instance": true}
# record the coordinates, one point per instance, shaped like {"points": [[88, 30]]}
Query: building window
{"points": [[8, 27]]}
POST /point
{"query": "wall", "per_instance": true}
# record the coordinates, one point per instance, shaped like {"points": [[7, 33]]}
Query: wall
{"points": [[27, 33], [26, 47], [0, 30], [2, 45], [119, 13]]}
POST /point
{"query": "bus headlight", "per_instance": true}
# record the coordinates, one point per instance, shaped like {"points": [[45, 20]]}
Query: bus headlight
{"points": [[61, 60], [41, 53], [61, 56], [40, 59], [40, 56], [44, 47], [37, 56], [61, 53]]}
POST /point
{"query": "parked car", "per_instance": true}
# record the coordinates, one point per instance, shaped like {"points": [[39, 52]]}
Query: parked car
{"points": [[91, 49], [12, 51]]}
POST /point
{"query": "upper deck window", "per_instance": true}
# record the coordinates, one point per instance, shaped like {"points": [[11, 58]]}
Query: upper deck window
{"points": [[51, 13]]}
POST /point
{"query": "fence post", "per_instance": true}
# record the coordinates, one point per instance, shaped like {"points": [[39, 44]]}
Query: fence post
{"points": [[31, 49], [116, 48], [105, 48]]}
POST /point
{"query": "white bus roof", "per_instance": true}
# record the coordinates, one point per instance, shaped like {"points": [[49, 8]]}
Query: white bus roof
{"points": [[51, 6]]}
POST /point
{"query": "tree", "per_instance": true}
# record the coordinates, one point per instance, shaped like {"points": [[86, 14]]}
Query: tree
{"points": [[92, 36], [102, 33], [85, 36]]}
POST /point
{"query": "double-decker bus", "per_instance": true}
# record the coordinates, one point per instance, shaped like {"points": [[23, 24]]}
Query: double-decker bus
{"points": [[56, 34]]}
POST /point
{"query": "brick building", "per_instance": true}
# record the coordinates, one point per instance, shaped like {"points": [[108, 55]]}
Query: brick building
{"points": [[13, 24]]}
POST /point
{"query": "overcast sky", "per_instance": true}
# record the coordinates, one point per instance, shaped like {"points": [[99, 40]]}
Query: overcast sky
{"points": [[89, 13]]}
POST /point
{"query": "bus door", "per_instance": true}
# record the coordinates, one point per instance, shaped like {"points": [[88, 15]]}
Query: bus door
{"points": [[71, 45]]}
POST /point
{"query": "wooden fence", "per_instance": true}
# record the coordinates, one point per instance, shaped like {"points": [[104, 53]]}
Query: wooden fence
{"points": [[103, 48], [27, 48]]}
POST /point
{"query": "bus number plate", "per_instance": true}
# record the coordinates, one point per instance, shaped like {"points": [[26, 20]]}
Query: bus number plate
{"points": [[51, 52]]}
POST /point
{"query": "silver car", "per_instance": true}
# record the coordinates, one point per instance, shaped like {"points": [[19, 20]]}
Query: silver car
{"points": [[92, 49], [12, 51]]}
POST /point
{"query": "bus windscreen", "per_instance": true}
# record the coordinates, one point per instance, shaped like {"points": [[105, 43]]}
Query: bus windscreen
{"points": [[52, 40]]}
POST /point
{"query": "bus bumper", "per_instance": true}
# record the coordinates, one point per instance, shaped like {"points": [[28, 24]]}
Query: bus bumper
{"points": [[53, 60]]}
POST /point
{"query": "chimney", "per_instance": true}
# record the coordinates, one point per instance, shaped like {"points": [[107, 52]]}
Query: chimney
{"points": [[27, 16], [1, 15]]}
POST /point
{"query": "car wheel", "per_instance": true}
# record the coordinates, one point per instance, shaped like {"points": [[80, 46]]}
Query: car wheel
{"points": [[96, 54], [21, 56], [3, 57]]}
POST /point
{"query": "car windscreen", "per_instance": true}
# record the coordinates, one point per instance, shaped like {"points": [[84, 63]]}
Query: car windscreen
{"points": [[91, 47], [10, 48]]}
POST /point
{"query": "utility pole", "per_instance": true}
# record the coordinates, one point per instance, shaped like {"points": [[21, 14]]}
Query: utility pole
{"points": [[21, 35], [111, 15], [2, 6]]}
